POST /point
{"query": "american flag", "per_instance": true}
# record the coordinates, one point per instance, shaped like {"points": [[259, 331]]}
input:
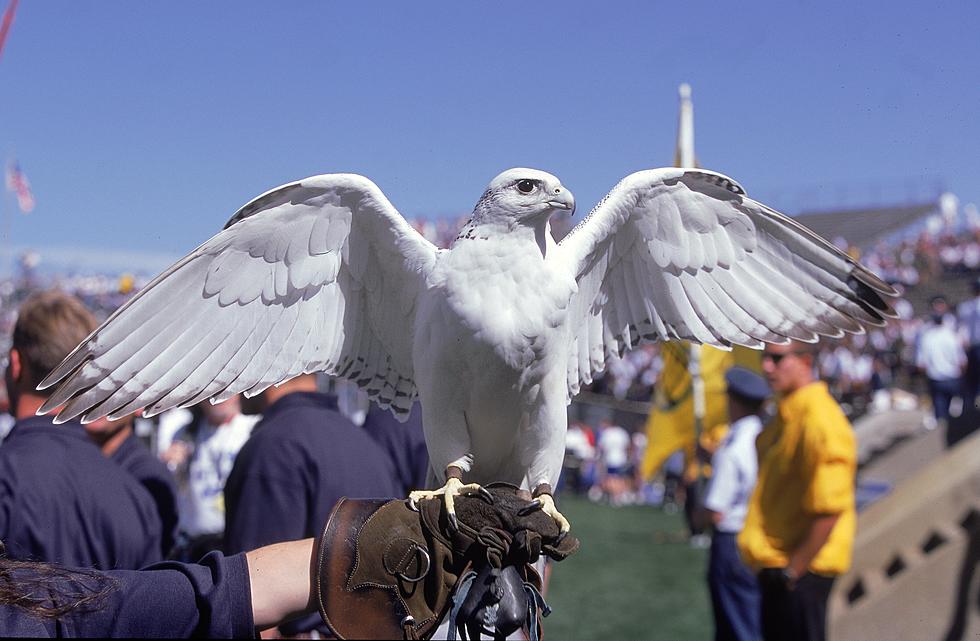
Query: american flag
{"points": [[17, 183]]}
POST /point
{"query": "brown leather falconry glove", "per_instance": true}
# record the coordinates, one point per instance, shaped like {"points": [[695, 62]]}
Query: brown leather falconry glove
{"points": [[383, 570]]}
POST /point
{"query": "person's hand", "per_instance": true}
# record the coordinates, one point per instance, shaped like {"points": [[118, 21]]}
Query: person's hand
{"points": [[784, 578]]}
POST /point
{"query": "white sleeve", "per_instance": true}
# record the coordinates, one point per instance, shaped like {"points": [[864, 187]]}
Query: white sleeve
{"points": [[723, 488]]}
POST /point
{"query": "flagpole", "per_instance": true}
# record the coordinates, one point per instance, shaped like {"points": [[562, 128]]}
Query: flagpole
{"points": [[684, 157], [684, 154]]}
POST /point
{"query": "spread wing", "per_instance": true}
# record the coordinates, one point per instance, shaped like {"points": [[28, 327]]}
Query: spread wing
{"points": [[317, 275], [685, 254]]}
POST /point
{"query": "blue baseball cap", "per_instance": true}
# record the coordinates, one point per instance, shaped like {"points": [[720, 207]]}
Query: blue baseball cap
{"points": [[747, 384]]}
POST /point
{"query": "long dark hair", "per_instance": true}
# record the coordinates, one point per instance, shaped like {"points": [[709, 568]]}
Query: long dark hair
{"points": [[49, 591]]}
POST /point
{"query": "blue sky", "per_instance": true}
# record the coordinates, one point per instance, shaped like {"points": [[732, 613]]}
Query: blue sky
{"points": [[142, 126]]}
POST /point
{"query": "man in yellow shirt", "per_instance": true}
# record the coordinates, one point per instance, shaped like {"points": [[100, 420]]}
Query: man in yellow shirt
{"points": [[800, 526]]}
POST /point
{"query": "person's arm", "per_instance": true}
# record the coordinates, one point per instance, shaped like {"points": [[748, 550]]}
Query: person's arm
{"points": [[280, 581], [706, 518], [721, 491], [816, 537]]}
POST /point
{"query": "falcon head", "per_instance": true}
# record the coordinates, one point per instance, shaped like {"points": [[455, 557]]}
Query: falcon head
{"points": [[525, 195]]}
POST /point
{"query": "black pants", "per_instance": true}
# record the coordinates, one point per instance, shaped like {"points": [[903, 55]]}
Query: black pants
{"points": [[971, 380], [799, 614], [942, 393], [693, 500]]}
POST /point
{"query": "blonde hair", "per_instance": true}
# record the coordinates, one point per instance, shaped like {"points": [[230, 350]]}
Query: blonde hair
{"points": [[49, 326]]}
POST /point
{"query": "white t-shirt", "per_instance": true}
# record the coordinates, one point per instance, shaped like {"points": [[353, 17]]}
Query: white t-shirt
{"points": [[614, 446], [201, 502], [734, 468], [940, 353], [578, 444]]}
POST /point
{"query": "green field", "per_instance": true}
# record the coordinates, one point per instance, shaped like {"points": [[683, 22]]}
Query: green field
{"points": [[635, 577]]}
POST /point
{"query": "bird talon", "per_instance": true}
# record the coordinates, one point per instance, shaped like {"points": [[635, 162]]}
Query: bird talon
{"points": [[454, 487], [533, 506], [548, 506], [420, 495]]}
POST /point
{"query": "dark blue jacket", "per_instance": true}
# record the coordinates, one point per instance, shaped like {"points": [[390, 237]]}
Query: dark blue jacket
{"points": [[403, 442], [152, 474], [302, 457], [209, 599], [62, 501]]}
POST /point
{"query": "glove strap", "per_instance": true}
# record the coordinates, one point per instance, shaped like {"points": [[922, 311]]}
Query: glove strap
{"points": [[535, 602], [459, 597]]}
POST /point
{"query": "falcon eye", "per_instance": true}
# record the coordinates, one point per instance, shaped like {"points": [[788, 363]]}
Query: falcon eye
{"points": [[525, 186]]}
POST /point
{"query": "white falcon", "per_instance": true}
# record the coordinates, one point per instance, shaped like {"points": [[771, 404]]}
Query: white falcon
{"points": [[494, 335]]}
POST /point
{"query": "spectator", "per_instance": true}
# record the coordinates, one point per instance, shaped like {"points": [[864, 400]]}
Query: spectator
{"points": [[799, 529], [697, 472], [940, 356], [734, 590], [61, 500], [303, 457], [579, 455], [969, 322], [203, 453], [614, 448], [118, 441]]}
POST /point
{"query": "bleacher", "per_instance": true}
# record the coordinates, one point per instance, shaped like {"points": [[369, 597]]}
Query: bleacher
{"points": [[955, 287], [865, 226]]}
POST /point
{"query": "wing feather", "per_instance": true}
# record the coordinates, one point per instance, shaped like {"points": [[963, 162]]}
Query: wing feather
{"points": [[316, 275], [204, 373], [683, 253], [229, 368]]}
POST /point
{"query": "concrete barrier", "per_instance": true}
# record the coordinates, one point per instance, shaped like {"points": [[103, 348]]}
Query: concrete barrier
{"points": [[878, 432], [917, 558]]}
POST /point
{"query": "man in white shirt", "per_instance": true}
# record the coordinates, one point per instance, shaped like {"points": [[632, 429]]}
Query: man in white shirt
{"points": [[941, 358], [202, 454], [735, 596], [614, 448]]}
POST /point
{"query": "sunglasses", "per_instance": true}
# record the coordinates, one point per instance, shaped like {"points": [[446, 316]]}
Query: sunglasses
{"points": [[775, 358]]}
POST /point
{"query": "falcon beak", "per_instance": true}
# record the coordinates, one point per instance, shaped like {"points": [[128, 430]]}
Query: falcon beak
{"points": [[563, 200]]}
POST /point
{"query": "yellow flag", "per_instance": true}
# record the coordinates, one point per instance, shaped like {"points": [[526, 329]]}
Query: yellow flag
{"points": [[670, 426]]}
